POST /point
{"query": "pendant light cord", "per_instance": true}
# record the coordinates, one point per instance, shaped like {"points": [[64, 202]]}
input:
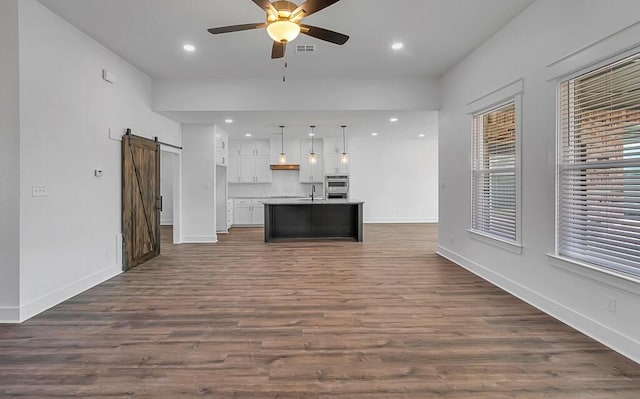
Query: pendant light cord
{"points": [[282, 147], [312, 134], [344, 140]]}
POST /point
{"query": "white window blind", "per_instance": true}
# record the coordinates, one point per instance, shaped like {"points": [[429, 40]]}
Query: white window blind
{"points": [[494, 173], [599, 167]]}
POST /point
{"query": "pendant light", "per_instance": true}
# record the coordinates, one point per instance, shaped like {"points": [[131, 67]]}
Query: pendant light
{"points": [[345, 156], [313, 159], [283, 156]]}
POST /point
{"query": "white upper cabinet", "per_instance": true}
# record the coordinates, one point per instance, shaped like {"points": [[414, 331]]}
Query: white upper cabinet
{"points": [[333, 149], [291, 149], [222, 147], [222, 139], [311, 173], [333, 165], [249, 161], [252, 147], [233, 171], [263, 170], [332, 145], [305, 147]]}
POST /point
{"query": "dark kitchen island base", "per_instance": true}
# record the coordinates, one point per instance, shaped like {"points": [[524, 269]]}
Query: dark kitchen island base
{"points": [[295, 219]]}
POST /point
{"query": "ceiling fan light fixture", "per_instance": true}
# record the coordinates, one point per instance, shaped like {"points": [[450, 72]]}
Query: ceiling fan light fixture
{"points": [[283, 31]]}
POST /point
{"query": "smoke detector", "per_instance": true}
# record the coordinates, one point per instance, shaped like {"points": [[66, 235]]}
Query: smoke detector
{"points": [[306, 48]]}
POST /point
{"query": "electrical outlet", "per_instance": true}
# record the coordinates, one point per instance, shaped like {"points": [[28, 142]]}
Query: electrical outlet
{"points": [[39, 191], [611, 304]]}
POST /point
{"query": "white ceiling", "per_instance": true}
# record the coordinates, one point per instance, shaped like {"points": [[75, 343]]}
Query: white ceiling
{"points": [[436, 35], [150, 34]]}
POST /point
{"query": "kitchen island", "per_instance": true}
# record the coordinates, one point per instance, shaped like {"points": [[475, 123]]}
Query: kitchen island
{"points": [[304, 218]]}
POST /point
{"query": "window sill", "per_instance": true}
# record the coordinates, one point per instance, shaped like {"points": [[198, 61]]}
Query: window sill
{"points": [[620, 280], [510, 246]]}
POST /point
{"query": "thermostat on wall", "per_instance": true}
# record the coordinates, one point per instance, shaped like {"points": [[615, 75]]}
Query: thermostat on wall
{"points": [[98, 172]]}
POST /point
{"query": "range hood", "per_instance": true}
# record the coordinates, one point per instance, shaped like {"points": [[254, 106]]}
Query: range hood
{"points": [[285, 167]]}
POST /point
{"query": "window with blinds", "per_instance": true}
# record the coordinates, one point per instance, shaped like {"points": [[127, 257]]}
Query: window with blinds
{"points": [[599, 167], [494, 194]]}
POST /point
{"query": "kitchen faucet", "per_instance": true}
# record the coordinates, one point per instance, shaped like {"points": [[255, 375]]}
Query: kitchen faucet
{"points": [[313, 190]]}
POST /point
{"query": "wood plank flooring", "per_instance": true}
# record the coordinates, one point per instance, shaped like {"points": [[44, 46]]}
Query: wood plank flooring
{"points": [[242, 319]]}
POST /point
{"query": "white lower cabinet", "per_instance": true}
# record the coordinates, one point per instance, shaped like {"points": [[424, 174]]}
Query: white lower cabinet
{"points": [[248, 212]]}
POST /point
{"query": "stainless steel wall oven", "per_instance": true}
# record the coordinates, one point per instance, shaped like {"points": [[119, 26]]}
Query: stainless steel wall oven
{"points": [[337, 186]]}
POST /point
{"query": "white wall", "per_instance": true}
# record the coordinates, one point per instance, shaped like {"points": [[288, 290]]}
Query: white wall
{"points": [[9, 162], [543, 34], [68, 239], [198, 184], [274, 95], [396, 178]]}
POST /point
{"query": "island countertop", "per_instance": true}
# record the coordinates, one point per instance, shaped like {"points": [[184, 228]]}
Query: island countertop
{"points": [[308, 201]]}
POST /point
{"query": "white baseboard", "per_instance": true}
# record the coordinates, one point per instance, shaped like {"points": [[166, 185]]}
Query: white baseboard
{"points": [[59, 295], [400, 220], [620, 343], [166, 223], [199, 239], [9, 314]]}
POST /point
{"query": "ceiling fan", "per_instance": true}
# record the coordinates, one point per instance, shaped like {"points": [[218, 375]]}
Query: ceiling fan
{"points": [[283, 23]]}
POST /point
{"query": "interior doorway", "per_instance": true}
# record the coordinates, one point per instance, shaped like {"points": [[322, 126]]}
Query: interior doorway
{"points": [[170, 190]]}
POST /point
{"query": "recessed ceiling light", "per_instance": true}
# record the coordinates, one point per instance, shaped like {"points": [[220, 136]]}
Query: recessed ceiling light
{"points": [[228, 120], [374, 134], [397, 46], [248, 135], [393, 119], [421, 135], [311, 134], [189, 47]]}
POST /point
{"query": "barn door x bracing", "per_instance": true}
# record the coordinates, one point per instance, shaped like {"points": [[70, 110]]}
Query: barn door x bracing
{"points": [[141, 200]]}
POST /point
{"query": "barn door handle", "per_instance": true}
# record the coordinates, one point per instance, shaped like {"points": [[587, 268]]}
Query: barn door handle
{"points": [[161, 203]]}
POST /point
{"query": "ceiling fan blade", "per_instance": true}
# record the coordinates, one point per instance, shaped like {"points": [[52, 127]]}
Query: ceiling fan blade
{"points": [[311, 6], [267, 6], [324, 34], [278, 50], [237, 28]]}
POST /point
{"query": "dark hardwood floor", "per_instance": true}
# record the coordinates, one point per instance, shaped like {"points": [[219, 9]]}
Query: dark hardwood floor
{"points": [[386, 318]]}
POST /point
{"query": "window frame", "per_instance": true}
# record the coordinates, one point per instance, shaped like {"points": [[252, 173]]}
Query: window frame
{"points": [[564, 261], [509, 94]]}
